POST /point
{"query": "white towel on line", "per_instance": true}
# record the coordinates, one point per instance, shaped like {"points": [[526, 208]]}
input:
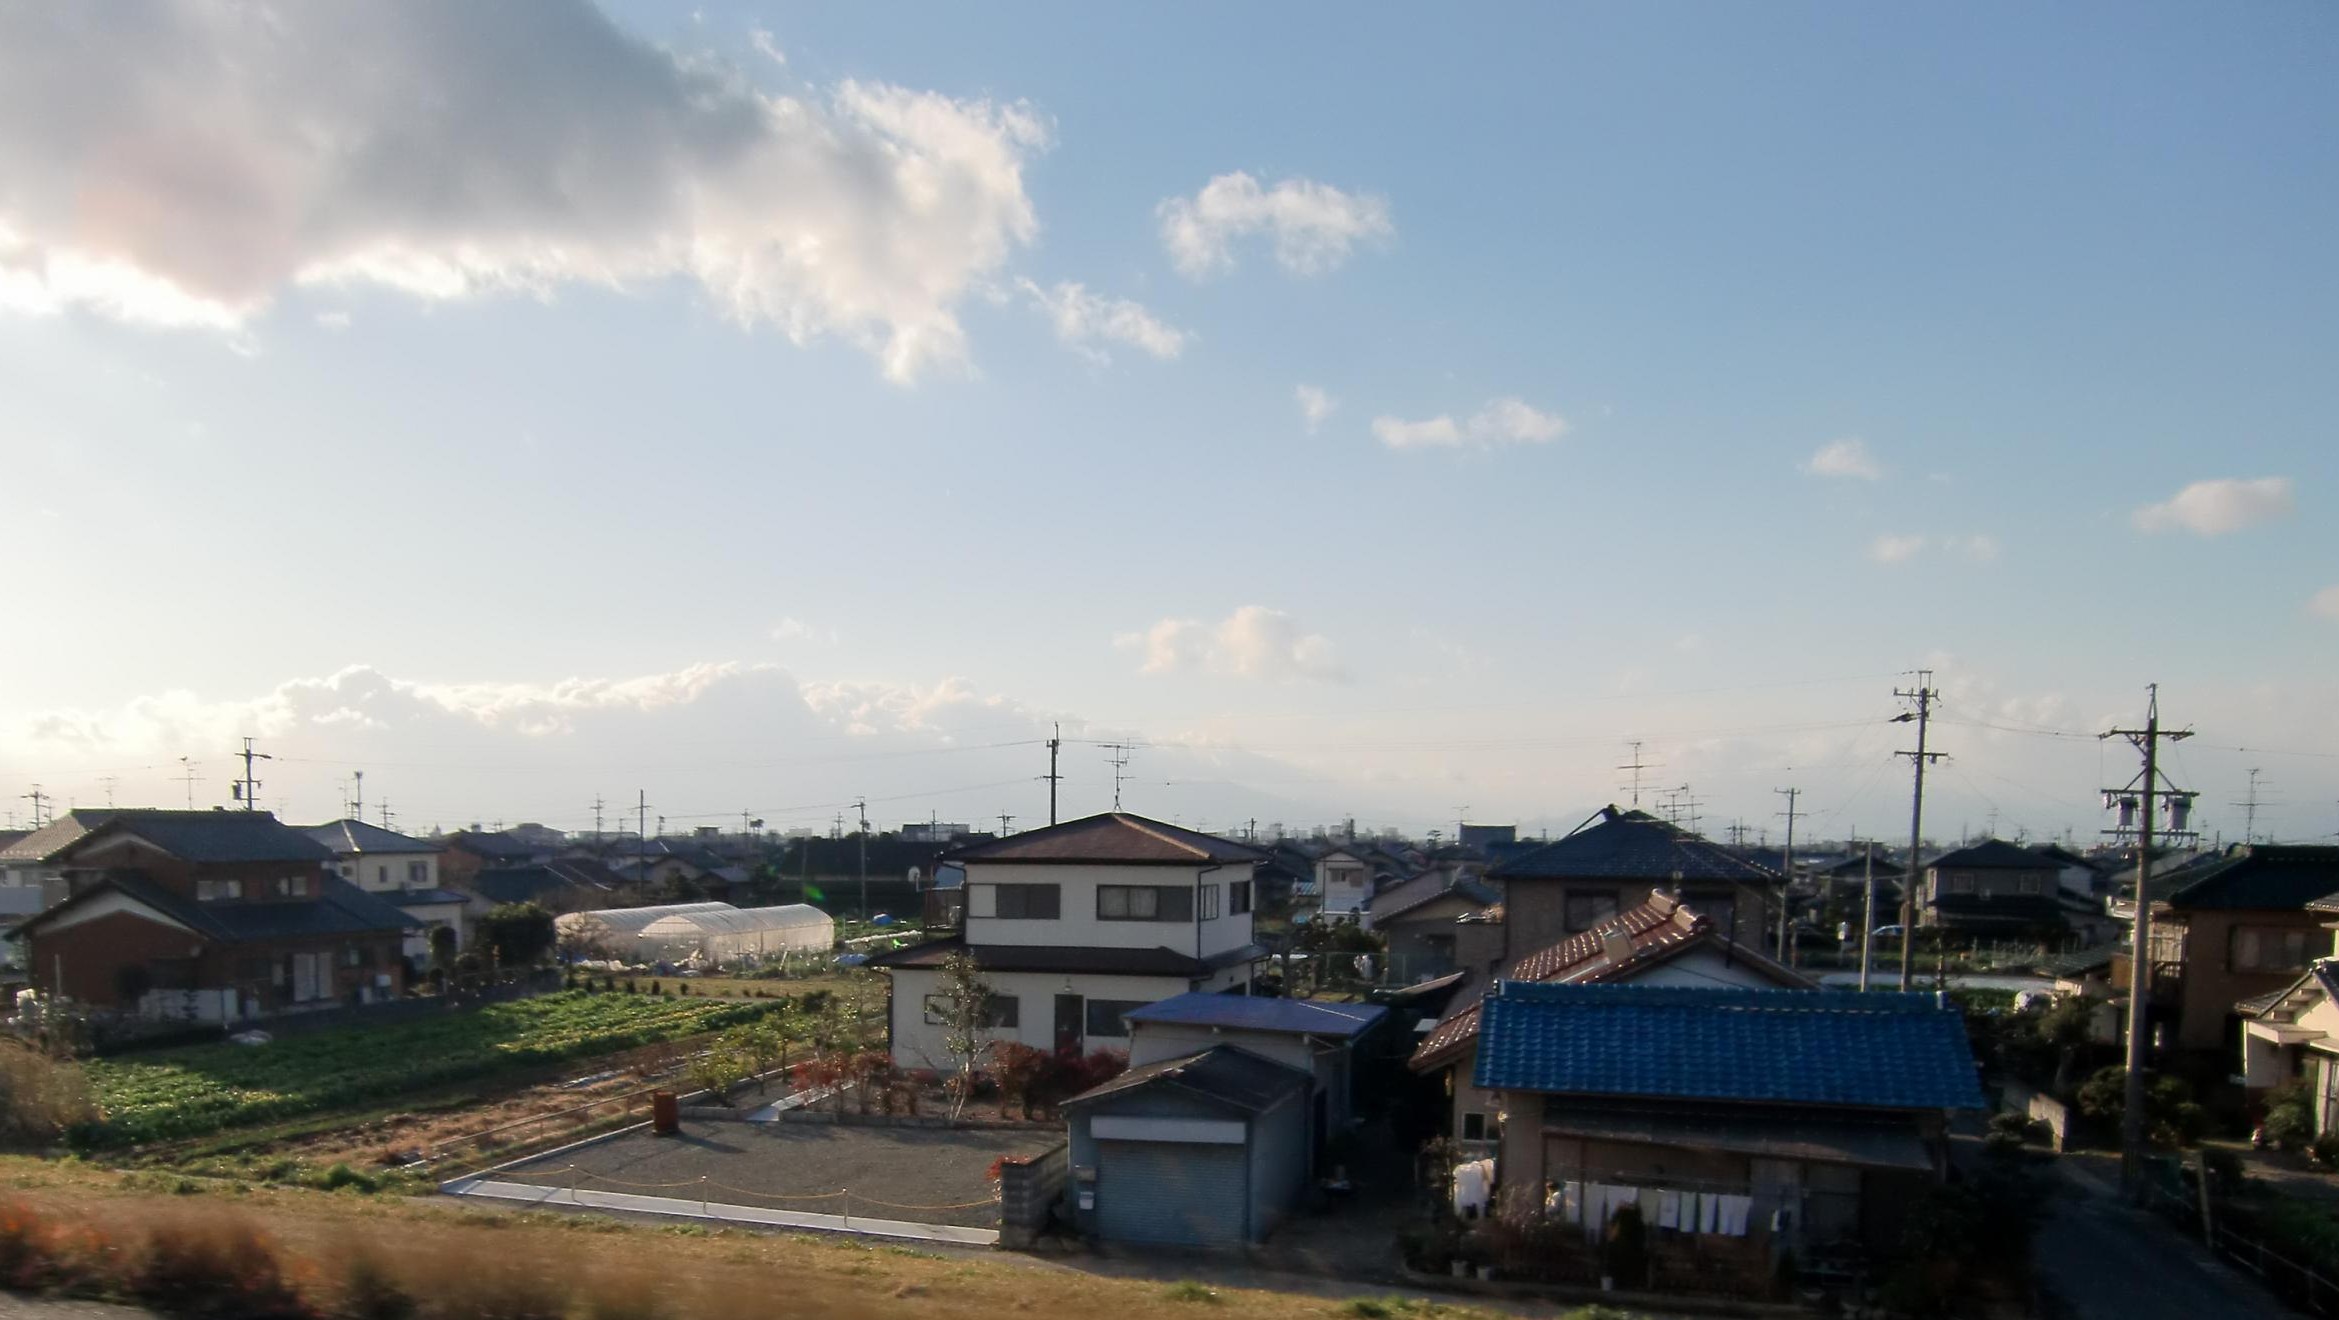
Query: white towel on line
{"points": [[1669, 1210], [1733, 1215]]}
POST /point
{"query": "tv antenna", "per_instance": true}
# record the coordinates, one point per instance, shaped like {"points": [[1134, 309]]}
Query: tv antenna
{"points": [[1120, 762]]}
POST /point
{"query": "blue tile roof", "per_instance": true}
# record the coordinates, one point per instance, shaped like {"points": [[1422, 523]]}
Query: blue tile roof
{"points": [[1822, 1047], [1259, 1013]]}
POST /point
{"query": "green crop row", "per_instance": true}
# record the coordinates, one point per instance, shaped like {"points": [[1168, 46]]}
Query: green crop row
{"points": [[173, 1094]]}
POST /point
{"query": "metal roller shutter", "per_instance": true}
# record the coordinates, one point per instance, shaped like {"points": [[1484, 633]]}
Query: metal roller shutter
{"points": [[1170, 1193]]}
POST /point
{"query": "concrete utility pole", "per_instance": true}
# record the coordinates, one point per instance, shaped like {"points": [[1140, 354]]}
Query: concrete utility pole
{"points": [[249, 788], [1055, 743], [641, 836], [1867, 908], [1923, 695], [2141, 792], [1786, 867], [36, 797], [861, 809]]}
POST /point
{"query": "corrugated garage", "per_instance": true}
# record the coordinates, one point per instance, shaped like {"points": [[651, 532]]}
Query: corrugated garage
{"points": [[1205, 1150]]}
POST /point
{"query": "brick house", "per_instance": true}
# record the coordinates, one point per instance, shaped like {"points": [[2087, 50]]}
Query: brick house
{"points": [[212, 916]]}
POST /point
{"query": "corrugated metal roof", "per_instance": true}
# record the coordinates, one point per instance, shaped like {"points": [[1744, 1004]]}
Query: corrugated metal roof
{"points": [[1878, 1050], [1222, 1074], [1307, 1017], [355, 836]]}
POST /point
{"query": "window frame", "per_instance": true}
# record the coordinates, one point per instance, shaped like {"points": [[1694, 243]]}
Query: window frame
{"points": [[1206, 902], [1157, 897], [1024, 893], [1114, 1018], [1567, 909], [1238, 897]]}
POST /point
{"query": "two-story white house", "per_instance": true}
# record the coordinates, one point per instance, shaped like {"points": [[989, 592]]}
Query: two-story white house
{"points": [[404, 871], [1076, 925]]}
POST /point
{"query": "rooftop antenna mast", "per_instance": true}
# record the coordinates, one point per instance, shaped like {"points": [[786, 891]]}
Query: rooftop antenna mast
{"points": [[1636, 765], [187, 772], [2249, 805], [1120, 761]]}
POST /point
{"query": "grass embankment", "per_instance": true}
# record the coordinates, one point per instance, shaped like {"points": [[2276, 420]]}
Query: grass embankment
{"points": [[192, 1092], [88, 1232]]}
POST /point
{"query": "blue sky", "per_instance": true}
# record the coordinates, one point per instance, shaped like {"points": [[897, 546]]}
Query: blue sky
{"points": [[572, 511]]}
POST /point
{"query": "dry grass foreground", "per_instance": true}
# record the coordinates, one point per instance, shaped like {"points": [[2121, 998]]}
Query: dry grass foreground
{"points": [[75, 1229]]}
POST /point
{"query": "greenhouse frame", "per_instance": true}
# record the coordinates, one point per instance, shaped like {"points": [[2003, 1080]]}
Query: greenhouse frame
{"points": [[732, 935], [610, 932]]}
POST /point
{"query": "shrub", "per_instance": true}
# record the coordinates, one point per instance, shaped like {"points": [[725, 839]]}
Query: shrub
{"points": [[1186, 1290], [41, 1098], [2290, 1116], [369, 1290], [216, 1268], [1625, 1254], [2171, 1117], [341, 1177], [2326, 1150]]}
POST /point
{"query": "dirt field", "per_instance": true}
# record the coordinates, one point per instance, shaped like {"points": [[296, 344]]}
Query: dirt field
{"points": [[924, 1175]]}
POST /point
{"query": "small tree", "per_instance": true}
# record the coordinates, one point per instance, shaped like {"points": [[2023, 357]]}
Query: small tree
{"points": [[519, 933], [966, 997], [718, 1068]]}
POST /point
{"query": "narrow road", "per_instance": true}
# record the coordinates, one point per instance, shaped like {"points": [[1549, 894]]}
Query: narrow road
{"points": [[2106, 1260]]}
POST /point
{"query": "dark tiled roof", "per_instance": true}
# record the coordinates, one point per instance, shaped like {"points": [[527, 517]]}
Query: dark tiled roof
{"points": [[1259, 1013], [419, 897], [213, 836], [1428, 887], [340, 908], [355, 836], [45, 843], [1994, 855], [1067, 958], [1821, 1047], [8, 839], [526, 884], [490, 846], [2282, 877], [1222, 1074], [1634, 845], [1116, 836]]}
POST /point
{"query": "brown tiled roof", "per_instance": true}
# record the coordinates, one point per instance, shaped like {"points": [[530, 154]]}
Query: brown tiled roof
{"points": [[1115, 836], [1658, 929]]}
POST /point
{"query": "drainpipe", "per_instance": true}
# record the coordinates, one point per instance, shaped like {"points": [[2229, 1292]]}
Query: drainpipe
{"points": [[1214, 866]]}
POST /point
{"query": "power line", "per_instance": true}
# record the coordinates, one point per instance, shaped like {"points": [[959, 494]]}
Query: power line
{"points": [[2144, 786]]}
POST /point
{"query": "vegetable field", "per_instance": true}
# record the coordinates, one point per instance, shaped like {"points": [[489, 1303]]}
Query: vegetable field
{"points": [[189, 1092]]}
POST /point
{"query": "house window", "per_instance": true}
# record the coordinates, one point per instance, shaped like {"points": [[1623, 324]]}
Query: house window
{"points": [[382, 875], [1473, 1127], [1209, 902], [1144, 903], [417, 874], [1238, 897], [1029, 902], [208, 891], [1586, 910], [998, 1011], [2266, 949], [292, 886], [1104, 1016]]}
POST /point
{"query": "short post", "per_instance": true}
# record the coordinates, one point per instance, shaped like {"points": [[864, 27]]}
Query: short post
{"points": [[2201, 1176], [847, 1200], [702, 1193]]}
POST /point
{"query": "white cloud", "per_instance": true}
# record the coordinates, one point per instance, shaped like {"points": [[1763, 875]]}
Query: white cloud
{"points": [[2214, 508], [1504, 421], [333, 320], [1315, 226], [793, 629], [1253, 642], [1894, 549], [767, 46], [1083, 320], [182, 163], [1848, 457], [2325, 603], [1979, 547], [1314, 406]]}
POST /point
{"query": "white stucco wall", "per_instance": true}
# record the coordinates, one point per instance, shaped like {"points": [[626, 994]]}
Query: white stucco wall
{"points": [[381, 873], [1078, 925], [918, 1044]]}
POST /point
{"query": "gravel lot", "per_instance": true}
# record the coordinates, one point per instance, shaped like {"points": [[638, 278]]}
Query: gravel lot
{"points": [[764, 1163]]}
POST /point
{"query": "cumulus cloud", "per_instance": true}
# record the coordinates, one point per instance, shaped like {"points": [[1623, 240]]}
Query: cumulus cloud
{"points": [[1253, 642], [1314, 406], [1979, 547], [1315, 226], [792, 629], [2325, 603], [2214, 508], [1894, 549], [1084, 321], [181, 163], [1504, 421], [1848, 457]]}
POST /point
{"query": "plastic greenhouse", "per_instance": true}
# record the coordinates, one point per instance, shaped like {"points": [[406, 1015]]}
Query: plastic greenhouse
{"points": [[610, 932], [731, 935]]}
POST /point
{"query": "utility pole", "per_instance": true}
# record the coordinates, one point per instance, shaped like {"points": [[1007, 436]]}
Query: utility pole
{"points": [[1867, 907], [248, 788], [1923, 695], [596, 827], [187, 770], [1786, 867], [1005, 821], [37, 798], [108, 781], [385, 813], [2139, 794], [861, 810], [641, 837], [357, 795], [1055, 742]]}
